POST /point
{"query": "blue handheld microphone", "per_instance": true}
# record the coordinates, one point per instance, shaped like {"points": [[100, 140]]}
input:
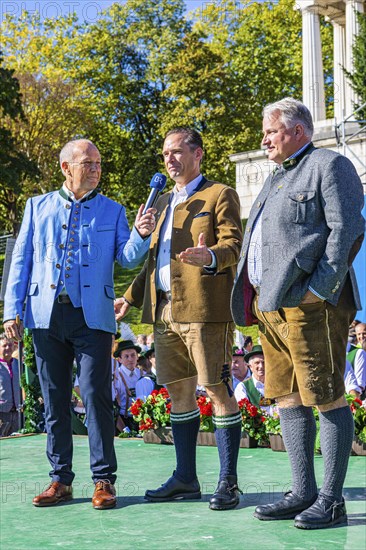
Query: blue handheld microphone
{"points": [[157, 184]]}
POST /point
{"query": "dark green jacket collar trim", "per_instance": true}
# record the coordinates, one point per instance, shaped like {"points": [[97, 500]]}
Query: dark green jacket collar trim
{"points": [[295, 160], [88, 198]]}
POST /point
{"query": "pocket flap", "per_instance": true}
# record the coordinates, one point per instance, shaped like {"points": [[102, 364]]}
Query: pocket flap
{"points": [[302, 196], [33, 289], [306, 264], [106, 227], [109, 290]]}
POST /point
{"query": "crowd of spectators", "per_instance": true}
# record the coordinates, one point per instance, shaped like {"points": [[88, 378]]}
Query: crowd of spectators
{"points": [[134, 376]]}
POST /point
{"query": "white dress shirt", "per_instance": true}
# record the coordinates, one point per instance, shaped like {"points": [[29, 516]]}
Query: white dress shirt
{"points": [[165, 237], [255, 245], [350, 380], [131, 378]]}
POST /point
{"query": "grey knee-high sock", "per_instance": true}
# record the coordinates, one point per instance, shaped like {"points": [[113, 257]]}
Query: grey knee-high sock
{"points": [[336, 436], [298, 432]]}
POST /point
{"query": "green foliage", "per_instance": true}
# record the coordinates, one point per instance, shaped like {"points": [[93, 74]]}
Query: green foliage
{"points": [[359, 417], [142, 68], [273, 425], [358, 77], [32, 406], [14, 164]]}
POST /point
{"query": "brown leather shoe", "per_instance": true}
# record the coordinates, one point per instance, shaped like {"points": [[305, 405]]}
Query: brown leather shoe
{"points": [[56, 492], [104, 496]]}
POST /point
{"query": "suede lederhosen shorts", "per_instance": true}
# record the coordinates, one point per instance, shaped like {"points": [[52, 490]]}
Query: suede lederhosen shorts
{"points": [[305, 348], [185, 350]]}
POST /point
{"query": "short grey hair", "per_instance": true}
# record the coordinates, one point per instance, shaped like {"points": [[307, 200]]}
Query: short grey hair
{"points": [[67, 152], [292, 112]]}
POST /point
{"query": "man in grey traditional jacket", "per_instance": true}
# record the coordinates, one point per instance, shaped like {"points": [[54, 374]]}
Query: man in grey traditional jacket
{"points": [[295, 278]]}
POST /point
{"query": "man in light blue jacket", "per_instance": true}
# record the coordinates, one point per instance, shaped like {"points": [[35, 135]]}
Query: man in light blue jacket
{"points": [[62, 270]]}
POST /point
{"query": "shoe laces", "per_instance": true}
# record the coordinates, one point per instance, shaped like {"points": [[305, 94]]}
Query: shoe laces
{"points": [[102, 483]]}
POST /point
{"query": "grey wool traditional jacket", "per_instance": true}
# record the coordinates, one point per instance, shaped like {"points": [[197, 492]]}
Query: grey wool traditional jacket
{"points": [[312, 229]]}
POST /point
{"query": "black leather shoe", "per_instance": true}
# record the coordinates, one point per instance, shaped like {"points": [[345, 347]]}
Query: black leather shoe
{"points": [[226, 495], [287, 508], [173, 489], [322, 514]]}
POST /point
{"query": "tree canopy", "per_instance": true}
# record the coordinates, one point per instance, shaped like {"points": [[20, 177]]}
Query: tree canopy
{"points": [[141, 68]]}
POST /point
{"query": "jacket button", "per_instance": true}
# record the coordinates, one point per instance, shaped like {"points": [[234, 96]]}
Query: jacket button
{"points": [[53, 286], [249, 229], [259, 204], [67, 206], [67, 275], [64, 226], [61, 246], [72, 240], [58, 266], [300, 197], [67, 268]]}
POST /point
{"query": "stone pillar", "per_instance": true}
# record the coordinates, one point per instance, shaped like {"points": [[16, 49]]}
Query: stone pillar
{"points": [[351, 30], [312, 63], [339, 44]]}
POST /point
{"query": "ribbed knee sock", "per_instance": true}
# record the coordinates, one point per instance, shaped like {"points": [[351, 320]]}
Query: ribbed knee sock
{"points": [[228, 434], [298, 432], [185, 428], [336, 436]]}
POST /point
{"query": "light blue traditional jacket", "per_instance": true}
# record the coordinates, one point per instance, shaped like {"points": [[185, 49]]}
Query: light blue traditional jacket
{"points": [[72, 246]]}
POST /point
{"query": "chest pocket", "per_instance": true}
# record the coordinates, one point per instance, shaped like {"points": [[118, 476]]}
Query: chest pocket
{"points": [[106, 227], [302, 206]]}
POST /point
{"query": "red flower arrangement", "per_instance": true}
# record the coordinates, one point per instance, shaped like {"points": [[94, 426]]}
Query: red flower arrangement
{"points": [[253, 420], [153, 412], [359, 416], [205, 407]]}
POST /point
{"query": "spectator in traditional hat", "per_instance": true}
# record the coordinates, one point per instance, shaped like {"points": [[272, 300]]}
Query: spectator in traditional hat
{"points": [[239, 367], [253, 388], [125, 382]]}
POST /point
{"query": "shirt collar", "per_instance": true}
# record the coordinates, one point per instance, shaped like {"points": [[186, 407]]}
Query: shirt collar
{"points": [[6, 362], [257, 383], [299, 151], [71, 195], [188, 190], [128, 372]]}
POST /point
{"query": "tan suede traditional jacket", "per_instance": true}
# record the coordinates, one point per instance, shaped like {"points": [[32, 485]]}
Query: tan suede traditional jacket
{"points": [[198, 295]]}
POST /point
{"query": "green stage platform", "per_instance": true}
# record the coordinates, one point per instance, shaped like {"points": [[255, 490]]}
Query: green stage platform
{"points": [[137, 524]]}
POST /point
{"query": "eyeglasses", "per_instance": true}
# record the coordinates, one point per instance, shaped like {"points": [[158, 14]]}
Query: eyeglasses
{"points": [[88, 164]]}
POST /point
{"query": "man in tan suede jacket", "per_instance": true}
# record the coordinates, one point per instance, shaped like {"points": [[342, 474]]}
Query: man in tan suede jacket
{"points": [[184, 289]]}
